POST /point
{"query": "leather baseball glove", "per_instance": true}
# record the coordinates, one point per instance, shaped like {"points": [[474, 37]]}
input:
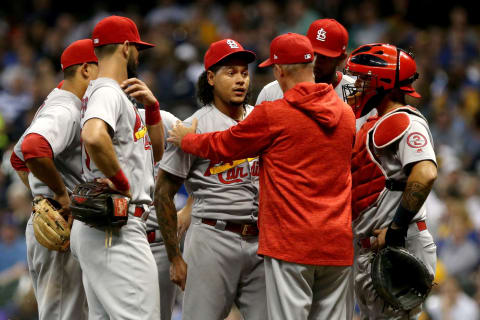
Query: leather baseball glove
{"points": [[98, 205], [400, 278], [49, 225]]}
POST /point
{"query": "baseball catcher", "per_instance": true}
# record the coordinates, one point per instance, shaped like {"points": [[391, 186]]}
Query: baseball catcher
{"points": [[393, 170]]}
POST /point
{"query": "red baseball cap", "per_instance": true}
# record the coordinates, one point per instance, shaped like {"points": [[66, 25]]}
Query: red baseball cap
{"points": [[78, 52], [116, 29], [289, 48], [328, 37], [224, 48]]}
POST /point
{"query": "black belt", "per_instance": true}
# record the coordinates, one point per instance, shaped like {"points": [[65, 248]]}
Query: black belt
{"points": [[244, 229], [394, 185]]}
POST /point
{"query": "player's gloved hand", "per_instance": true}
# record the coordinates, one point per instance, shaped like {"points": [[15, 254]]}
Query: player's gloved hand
{"points": [[178, 272], [64, 201], [395, 237]]}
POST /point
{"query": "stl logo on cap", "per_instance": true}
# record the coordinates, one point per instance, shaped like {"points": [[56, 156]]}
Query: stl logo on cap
{"points": [[232, 44], [222, 49], [321, 35]]}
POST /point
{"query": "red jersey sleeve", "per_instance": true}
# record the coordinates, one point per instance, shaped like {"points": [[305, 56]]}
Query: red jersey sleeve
{"points": [[17, 163], [246, 139], [36, 146]]}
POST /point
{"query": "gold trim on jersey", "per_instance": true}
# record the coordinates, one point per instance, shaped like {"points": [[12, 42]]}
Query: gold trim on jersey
{"points": [[226, 166], [141, 133]]}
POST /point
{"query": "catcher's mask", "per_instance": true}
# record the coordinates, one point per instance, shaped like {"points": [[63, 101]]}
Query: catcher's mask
{"points": [[379, 68]]}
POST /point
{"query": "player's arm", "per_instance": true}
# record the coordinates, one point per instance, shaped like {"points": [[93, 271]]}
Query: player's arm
{"points": [[246, 139], [139, 90], [20, 167], [38, 156], [99, 146], [419, 184], [167, 185]]}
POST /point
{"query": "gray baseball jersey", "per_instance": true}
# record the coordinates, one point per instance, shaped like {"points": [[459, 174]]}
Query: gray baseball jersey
{"points": [[58, 121], [225, 191], [104, 99], [56, 276]]}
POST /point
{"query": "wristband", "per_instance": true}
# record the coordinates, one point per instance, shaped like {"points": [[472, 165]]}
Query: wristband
{"points": [[120, 181], [152, 114], [403, 217]]}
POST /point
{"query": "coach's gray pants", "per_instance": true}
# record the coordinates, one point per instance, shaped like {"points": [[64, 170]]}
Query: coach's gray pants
{"points": [[57, 281], [120, 278], [301, 292]]}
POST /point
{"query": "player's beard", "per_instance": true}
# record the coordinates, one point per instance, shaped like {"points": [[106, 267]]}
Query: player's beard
{"points": [[131, 68]]}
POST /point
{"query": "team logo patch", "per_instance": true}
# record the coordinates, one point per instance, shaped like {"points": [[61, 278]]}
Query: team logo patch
{"points": [[121, 207], [416, 140], [321, 35], [308, 56]]}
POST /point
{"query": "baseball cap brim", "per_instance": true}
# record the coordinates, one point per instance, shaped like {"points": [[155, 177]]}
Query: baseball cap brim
{"points": [[141, 45], [247, 55], [266, 63], [327, 52]]}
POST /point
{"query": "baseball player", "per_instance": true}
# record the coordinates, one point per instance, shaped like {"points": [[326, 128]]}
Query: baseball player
{"points": [[119, 271], [221, 243], [304, 200], [168, 290], [393, 168], [329, 40], [49, 152]]}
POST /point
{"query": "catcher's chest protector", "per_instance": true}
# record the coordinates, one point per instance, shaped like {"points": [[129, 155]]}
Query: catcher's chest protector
{"points": [[368, 180]]}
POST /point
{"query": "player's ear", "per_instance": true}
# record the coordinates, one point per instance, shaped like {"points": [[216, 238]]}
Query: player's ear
{"points": [[211, 77], [84, 70], [126, 49]]}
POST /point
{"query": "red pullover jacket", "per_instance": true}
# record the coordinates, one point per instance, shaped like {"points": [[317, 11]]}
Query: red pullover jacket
{"points": [[304, 142]]}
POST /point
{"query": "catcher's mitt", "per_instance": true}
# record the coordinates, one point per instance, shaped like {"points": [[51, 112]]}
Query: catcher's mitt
{"points": [[49, 226], [98, 205], [400, 279]]}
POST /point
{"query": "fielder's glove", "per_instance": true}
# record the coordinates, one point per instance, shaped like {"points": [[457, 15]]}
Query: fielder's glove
{"points": [[400, 279], [98, 205], [49, 226]]}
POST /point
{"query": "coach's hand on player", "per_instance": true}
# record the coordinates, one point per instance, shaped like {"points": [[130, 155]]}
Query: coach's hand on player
{"points": [[178, 271], [137, 89], [179, 131]]}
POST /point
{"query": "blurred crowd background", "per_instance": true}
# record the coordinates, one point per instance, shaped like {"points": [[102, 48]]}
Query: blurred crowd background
{"points": [[443, 36]]}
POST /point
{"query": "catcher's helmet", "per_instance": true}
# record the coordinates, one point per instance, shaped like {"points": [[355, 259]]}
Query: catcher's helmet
{"points": [[381, 67]]}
